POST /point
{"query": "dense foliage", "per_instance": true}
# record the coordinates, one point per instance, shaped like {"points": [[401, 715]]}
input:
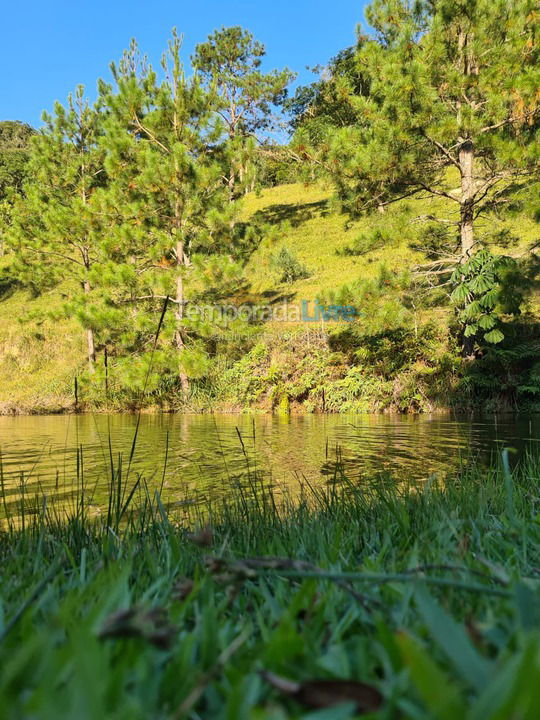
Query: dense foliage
{"points": [[132, 209], [14, 141], [14, 152]]}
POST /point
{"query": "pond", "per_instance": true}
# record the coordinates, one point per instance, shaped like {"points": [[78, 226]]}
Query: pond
{"points": [[197, 457]]}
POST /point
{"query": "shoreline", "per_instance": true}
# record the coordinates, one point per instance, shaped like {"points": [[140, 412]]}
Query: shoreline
{"points": [[254, 411]]}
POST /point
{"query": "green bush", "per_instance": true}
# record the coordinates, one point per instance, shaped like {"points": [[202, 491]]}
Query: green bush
{"points": [[288, 266], [366, 242]]}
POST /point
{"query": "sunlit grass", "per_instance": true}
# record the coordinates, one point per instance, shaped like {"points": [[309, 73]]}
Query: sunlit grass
{"points": [[39, 355], [315, 230]]}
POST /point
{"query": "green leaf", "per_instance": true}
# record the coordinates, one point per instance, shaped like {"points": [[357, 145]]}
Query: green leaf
{"points": [[471, 311], [494, 336], [490, 298], [481, 283], [514, 691], [454, 642], [460, 294], [440, 696], [528, 605], [486, 322]]}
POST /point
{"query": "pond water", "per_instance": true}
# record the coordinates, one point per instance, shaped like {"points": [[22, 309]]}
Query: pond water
{"points": [[196, 457]]}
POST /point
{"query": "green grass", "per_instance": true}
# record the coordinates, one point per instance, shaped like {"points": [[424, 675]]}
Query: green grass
{"points": [[39, 356], [315, 232], [429, 596]]}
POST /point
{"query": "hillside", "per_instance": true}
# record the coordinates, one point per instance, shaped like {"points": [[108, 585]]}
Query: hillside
{"points": [[40, 356], [317, 233]]}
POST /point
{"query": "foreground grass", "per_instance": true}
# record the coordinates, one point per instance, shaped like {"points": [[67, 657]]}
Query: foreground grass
{"points": [[427, 600]]}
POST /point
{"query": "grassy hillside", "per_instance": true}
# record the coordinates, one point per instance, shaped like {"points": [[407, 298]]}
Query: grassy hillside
{"points": [[39, 356], [317, 232]]}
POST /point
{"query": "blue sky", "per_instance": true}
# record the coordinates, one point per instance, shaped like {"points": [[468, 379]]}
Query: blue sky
{"points": [[49, 47]]}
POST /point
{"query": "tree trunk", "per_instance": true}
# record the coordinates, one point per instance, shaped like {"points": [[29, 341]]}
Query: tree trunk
{"points": [[91, 349], [90, 340], [232, 185], [179, 316], [466, 224], [467, 346]]}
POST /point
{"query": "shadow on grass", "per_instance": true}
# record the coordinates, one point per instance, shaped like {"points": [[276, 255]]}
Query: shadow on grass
{"points": [[8, 285], [294, 214]]}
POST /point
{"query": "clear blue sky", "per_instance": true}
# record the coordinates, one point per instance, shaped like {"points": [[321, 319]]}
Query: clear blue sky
{"points": [[50, 46]]}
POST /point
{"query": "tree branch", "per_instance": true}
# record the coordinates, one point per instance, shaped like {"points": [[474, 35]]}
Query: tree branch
{"points": [[57, 254], [444, 150], [150, 135], [509, 121], [440, 193]]}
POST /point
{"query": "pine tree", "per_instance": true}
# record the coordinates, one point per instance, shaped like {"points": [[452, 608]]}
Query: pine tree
{"points": [[322, 109], [319, 109], [55, 231], [166, 201], [453, 88], [229, 64]]}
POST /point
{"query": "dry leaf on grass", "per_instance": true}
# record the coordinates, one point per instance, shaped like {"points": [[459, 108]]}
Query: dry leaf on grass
{"points": [[151, 625], [319, 694]]}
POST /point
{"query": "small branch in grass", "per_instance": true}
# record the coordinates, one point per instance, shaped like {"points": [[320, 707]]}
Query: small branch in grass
{"points": [[251, 568], [456, 568], [381, 579], [248, 568]]}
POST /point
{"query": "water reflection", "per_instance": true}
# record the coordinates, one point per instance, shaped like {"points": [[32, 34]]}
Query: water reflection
{"points": [[201, 456]]}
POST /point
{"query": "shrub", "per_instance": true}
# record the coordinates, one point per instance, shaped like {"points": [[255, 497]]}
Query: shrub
{"points": [[289, 267]]}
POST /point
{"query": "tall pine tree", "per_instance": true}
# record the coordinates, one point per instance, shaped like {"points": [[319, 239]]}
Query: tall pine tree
{"points": [[229, 64], [453, 90], [165, 199], [56, 232]]}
